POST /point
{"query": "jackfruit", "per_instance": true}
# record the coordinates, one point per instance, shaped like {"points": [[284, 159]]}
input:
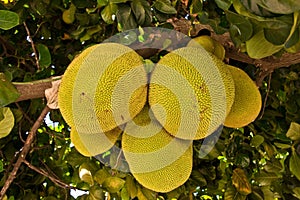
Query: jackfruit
{"points": [[209, 44], [94, 144], [247, 102], [228, 82], [157, 160], [187, 93], [104, 87], [65, 93], [205, 41]]}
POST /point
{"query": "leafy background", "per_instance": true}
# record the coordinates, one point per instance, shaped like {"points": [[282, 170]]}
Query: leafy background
{"points": [[39, 38]]}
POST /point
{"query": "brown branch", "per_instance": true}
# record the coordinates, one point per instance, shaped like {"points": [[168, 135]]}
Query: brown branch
{"points": [[46, 174], [24, 151], [32, 46], [34, 89], [267, 65]]}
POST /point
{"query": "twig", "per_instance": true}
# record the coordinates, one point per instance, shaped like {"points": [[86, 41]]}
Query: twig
{"points": [[32, 46], [266, 97], [46, 174], [24, 151], [118, 159]]}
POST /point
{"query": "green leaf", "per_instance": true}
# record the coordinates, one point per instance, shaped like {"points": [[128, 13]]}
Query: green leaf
{"points": [[273, 166], [68, 15], [232, 194], [294, 131], [240, 28], [108, 12], [268, 194], [7, 123], [196, 7], [113, 184], [8, 19], [124, 194], [280, 6], [264, 22], [296, 191], [131, 187], [240, 181], [1, 166], [8, 92], [257, 140], [125, 18], [101, 3], [277, 36], [164, 6], [198, 178], [258, 47], [282, 145], [257, 195], [294, 164], [118, 1], [223, 4], [265, 179], [142, 12], [85, 173], [293, 40], [101, 175], [44, 56], [96, 193]]}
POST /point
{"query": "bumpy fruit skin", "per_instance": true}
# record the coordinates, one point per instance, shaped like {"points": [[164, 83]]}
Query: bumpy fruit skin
{"points": [[104, 87], [247, 102], [94, 144], [228, 82], [157, 160], [205, 41], [65, 93], [209, 44], [187, 93]]}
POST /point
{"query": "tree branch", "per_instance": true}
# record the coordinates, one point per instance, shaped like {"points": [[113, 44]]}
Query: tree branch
{"points": [[24, 151], [267, 65], [32, 45], [46, 174], [34, 89]]}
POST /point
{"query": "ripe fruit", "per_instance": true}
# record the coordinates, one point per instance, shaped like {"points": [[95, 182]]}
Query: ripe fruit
{"points": [[104, 87], [228, 82], [209, 44], [247, 101], [187, 93], [205, 41], [157, 160], [94, 144]]}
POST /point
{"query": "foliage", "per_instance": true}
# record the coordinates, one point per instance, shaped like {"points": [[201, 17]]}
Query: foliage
{"points": [[260, 161]]}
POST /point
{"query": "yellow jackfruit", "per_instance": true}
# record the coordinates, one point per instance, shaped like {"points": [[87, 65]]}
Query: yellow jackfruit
{"points": [[94, 144], [247, 102], [187, 93], [104, 87], [65, 93], [157, 160], [209, 44], [228, 82], [205, 41]]}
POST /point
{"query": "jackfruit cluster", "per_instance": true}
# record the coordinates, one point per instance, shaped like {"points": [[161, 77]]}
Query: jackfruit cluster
{"points": [[106, 95]]}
